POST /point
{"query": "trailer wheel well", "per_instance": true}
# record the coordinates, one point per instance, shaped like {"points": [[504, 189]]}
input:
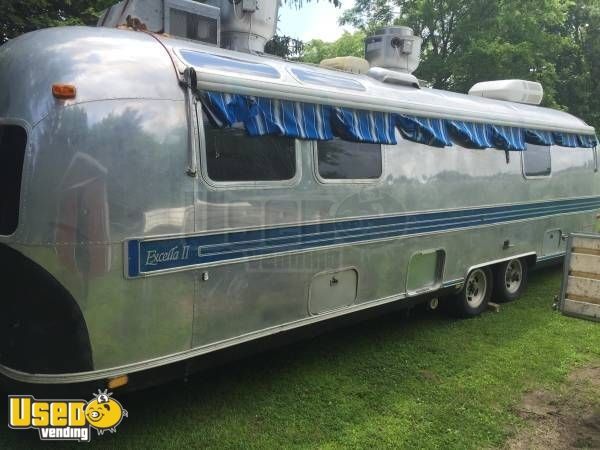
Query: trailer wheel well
{"points": [[42, 329], [531, 260]]}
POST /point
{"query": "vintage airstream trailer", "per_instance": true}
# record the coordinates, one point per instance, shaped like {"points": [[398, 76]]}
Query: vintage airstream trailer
{"points": [[162, 198]]}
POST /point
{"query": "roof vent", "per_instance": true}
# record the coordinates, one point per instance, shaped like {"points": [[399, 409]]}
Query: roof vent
{"points": [[186, 19], [393, 77], [519, 91], [394, 48]]}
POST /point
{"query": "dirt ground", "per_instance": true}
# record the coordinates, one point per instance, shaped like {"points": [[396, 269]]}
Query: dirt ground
{"points": [[566, 419]]}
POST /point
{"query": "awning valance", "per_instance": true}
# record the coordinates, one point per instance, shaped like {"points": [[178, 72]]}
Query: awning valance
{"points": [[266, 116], [293, 119], [538, 137], [565, 139], [364, 126], [472, 135], [424, 131], [508, 138], [587, 140]]}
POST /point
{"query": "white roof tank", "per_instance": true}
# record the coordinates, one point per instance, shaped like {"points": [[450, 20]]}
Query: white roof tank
{"points": [[519, 91]]}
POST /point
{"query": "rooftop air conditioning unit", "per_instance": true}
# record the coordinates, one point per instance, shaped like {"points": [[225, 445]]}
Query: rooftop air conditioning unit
{"points": [[519, 91], [186, 19]]}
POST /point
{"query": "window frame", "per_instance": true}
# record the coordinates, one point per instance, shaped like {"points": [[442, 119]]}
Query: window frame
{"points": [[536, 177], [323, 180], [24, 177], [229, 185]]}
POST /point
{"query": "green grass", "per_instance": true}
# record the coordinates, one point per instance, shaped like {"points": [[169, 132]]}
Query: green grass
{"points": [[429, 382]]}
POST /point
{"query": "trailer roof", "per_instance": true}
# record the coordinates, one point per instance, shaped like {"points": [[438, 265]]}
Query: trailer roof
{"points": [[108, 63], [235, 72]]}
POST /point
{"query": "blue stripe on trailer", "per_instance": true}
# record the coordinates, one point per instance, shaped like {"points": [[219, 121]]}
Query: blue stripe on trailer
{"points": [[149, 256]]}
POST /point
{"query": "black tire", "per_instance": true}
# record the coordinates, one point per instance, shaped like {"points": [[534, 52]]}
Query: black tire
{"points": [[471, 301], [510, 280]]}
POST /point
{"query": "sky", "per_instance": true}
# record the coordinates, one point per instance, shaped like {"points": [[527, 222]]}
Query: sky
{"points": [[315, 20]]}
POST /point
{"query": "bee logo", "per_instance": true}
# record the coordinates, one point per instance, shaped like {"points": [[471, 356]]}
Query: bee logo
{"points": [[66, 420], [104, 413]]}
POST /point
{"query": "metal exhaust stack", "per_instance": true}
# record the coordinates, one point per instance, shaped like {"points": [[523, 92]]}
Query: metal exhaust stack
{"points": [[247, 25], [394, 53]]}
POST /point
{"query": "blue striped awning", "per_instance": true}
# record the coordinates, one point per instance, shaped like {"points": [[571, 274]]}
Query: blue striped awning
{"points": [[266, 116], [293, 119], [263, 116], [508, 138], [538, 137], [588, 140], [565, 139], [226, 110], [424, 131], [474, 135], [364, 126]]}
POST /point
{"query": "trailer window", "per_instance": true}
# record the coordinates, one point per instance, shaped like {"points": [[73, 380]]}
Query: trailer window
{"points": [[344, 160], [536, 161], [232, 156], [13, 140]]}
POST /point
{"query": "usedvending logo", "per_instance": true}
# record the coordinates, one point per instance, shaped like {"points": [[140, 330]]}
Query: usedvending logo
{"points": [[66, 420]]}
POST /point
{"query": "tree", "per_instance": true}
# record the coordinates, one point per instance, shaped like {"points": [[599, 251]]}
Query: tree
{"points": [[288, 47], [18, 17], [285, 47], [578, 65], [349, 44], [554, 42]]}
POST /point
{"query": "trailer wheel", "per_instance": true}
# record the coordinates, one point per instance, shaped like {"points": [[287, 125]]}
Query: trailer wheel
{"points": [[473, 299], [511, 280]]}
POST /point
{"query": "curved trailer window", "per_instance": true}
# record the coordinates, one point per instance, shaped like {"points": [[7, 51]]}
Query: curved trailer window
{"points": [[13, 140], [343, 160], [537, 161], [228, 64], [232, 156]]}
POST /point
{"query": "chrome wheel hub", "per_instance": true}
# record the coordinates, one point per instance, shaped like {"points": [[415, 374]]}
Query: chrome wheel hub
{"points": [[513, 277], [476, 288]]}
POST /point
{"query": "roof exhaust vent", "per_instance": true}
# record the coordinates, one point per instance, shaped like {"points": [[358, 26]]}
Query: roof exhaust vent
{"points": [[394, 54], [247, 25], [519, 91], [187, 19]]}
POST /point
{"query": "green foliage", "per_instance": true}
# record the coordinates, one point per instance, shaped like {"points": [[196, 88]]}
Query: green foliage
{"points": [[18, 17], [285, 47], [424, 383], [301, 3], [347, 45], [554, 42]]}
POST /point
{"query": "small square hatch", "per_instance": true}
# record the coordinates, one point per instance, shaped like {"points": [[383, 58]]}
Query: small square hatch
{"points": [[425, 271], [332, 290]]}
